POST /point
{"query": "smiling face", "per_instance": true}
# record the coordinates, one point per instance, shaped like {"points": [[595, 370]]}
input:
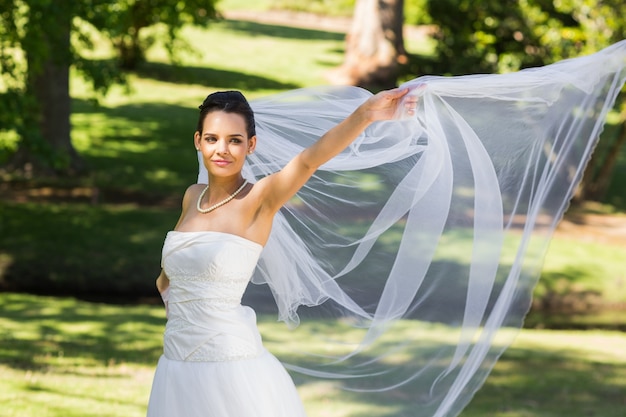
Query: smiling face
{"points": [[224, 143]]}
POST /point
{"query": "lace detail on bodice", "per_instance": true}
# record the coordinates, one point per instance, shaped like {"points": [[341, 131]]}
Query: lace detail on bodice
{"points": [[208, 273]]}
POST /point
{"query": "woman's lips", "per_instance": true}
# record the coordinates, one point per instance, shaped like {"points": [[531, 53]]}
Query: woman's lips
{"points": [[221, 163]]}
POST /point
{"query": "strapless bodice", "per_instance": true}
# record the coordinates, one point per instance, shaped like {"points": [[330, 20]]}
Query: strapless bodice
{"points": [[208, 273]]}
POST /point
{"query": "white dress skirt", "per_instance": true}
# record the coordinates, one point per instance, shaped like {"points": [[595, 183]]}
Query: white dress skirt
{"points": [[214, 363]]}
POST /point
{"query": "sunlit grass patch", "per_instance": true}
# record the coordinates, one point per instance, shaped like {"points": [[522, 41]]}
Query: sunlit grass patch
{"points": [[118, 390]]}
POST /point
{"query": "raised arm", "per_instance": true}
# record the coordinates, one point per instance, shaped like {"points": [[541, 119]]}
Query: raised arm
{"points": [[278, 188]]}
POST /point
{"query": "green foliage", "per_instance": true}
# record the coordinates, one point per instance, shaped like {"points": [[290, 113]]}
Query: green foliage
{"points": [[495, 36], [601, 22], [11, 66], [416, 12], [123, 22], [492, 36]]}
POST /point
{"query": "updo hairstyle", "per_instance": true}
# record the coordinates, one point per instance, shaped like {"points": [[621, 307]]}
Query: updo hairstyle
{"points": [[229, 102]]}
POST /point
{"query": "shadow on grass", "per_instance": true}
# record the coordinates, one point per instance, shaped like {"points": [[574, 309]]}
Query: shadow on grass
{"points": [[560, 291], [525, 382], [82, 250], [278, 31], [538, 383], [39, 331]]}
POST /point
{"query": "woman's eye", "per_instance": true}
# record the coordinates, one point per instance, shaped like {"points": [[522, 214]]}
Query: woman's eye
{"points": [[235, 140], [210, 139]]}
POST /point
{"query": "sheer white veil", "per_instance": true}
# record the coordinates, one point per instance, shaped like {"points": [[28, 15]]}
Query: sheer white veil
{"points": [[433, 227]]}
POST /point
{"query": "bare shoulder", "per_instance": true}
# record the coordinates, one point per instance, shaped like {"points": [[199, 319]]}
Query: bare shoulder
{"points": [[194, 188], [193, 191]]}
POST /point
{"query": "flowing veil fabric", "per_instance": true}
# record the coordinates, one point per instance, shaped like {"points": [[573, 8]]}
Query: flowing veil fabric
{"points": [[428, 229]]}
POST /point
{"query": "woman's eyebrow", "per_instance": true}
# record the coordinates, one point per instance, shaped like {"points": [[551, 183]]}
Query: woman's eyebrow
{"points": [[230, 136]]}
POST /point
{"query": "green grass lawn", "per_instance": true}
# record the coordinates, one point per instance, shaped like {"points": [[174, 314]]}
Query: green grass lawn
{"points": [[60, 357]]}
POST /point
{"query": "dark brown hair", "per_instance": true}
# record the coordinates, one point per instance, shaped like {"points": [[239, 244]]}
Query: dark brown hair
{"points": [[229, 102]]}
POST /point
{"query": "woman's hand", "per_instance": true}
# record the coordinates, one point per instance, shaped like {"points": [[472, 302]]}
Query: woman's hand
{"points": [[384, 105]]}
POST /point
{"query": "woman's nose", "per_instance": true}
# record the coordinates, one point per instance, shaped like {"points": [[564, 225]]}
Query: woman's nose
{"points": [[222, 146]]}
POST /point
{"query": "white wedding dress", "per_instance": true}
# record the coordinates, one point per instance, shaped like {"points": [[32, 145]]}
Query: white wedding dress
{"points": [[214, 363]]}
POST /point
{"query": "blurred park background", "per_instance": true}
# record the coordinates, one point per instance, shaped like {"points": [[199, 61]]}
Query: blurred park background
{"points": [[98, 105]]}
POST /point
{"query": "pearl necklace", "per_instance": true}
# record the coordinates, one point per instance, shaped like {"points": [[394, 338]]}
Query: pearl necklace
{"points": [[221, 203]]}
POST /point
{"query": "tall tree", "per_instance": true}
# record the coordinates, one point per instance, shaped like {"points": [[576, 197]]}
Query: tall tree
{"points": [[374, 45], [34, 94]]}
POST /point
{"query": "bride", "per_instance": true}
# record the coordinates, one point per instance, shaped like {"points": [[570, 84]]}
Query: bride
{"points": [[214, 363], [422, 212]]}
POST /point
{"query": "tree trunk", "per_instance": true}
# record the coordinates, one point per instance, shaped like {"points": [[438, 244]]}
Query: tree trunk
{"points": [[374, 45], [130, 51], [52, 91], [47, 126]]}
